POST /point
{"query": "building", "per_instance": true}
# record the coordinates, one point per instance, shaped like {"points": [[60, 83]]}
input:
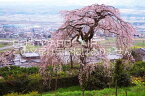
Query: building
{"points": [[27, 59]]}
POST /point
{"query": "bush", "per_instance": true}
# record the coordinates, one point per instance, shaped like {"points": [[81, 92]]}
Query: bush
{"points": [[98, 79], [24, 80], [16, 70], [19, 79], [138, 69], [121, 75], [138, 81]]}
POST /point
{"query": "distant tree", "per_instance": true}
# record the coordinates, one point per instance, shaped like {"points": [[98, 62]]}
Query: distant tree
{"points": [[6, 58]]}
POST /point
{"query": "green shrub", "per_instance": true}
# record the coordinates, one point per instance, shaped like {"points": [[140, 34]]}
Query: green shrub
{"points": [[138, 81], [99, 78], [16, 70], [19, 79], [138, 69], [24, 80], [121, 75]]}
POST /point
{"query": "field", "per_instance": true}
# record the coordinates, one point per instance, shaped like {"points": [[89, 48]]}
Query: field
{"points": [[139, 42], [109, 42]]}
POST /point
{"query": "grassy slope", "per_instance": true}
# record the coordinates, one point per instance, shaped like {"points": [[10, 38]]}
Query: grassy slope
{"points": [[76, 91]]}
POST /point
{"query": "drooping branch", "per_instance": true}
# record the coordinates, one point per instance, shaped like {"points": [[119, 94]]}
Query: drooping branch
{"points": [[101, 17]]}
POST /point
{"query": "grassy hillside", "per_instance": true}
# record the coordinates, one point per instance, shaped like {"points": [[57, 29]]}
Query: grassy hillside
{"points": [[76, 91]]}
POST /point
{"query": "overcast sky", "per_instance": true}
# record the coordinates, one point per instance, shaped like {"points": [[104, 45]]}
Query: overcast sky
{"points": [[53, 7], [78, 2]]}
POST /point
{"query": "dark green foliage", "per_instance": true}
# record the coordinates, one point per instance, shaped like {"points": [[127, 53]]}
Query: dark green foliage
{"points": [[121, 76], [99, 78], [15, 70], [138, 69], [23, 84], [66, 67], [24, 80], [65, 82]]}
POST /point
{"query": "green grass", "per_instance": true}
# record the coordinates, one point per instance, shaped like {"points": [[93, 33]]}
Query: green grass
{"points": [[111, 42], [139, 42], [76, 91], [29, 94]]}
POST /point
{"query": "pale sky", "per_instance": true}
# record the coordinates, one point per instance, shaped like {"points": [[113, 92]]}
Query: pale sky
{"points": [[80, 2]]}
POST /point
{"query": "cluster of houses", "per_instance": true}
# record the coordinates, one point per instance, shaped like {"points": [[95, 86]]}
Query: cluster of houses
{"points": [[27, 59], [33, 59], [22, 60], [14, 31]]}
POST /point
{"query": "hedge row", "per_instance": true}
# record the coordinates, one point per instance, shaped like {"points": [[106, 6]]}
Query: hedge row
{"points": [[24, 80], [24, 85]]}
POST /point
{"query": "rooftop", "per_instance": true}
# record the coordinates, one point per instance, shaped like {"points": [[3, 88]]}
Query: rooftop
{"points": [[31, 54]]}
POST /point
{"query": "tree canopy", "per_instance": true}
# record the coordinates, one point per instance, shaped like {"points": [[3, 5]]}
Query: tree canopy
{"points": [[83, 23]]}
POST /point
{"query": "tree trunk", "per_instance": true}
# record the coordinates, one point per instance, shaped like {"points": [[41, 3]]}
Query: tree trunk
{"points": [[49, 86], [71, 61], [83, 92], [126, 92], [116, 88], [56, 81]]}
